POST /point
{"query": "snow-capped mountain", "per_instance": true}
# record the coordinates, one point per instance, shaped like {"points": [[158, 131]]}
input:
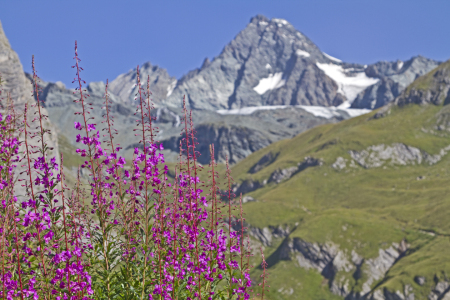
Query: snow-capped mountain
{"points": [[272, 63]]}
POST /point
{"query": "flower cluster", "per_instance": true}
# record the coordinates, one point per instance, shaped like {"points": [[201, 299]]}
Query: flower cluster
{"points": [[41, 247], [126, 230]]}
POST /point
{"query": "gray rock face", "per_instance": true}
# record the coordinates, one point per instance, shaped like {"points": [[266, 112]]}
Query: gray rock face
{"points": [[237, 136], [277, 176], [247, 186], [377, 267], [340, 163], [377, 95], [11, 72], [394, 78], [338, 265], [263, 235], [420, 280], [314, 256], [246, 199], [14, 82], [59, 102], [266, 234], [309, 161], [423, 97], [440, 291], [263, 162], [396, 154], [236, 142], [280, 175]]}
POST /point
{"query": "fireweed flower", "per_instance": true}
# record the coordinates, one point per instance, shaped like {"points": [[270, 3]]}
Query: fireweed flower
{"points": [[129, 220]]}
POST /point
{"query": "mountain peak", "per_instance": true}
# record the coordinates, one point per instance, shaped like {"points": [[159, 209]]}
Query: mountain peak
{"points": [[161, 83], [259, 18], [261, 66]]}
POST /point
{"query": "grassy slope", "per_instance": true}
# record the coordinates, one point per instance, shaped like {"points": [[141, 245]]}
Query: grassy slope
{"points": [[357, 208]]}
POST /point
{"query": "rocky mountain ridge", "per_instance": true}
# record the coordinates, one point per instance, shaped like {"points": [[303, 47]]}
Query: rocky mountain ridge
{"points": [[272, 63]]}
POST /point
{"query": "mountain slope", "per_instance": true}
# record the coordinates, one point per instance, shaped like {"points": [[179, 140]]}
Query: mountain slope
{"points": [[372, 218]]}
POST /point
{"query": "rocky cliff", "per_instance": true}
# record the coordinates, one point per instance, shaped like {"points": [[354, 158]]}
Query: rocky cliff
{"points": [[15, 83]]}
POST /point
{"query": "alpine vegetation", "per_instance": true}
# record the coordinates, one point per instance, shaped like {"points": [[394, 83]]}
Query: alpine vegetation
{"points": [[125, 230]]}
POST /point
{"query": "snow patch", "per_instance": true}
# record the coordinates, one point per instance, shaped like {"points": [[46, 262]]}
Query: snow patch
{"points": [[268, 66], [131, 88], [330, 112], [399, 65], [249, 110], [350, 85], [332, 58], [284, 22], [318, 111], [171, 87], [263, 23], [302, 53], [272, 82]]}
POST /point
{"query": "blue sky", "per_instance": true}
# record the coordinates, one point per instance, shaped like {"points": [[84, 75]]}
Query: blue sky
{"points": [[115, 36]]}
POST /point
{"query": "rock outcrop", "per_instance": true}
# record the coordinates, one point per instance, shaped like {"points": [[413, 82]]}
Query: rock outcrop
{"points": [[395, 154], [280, 175], [263, 162]]}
